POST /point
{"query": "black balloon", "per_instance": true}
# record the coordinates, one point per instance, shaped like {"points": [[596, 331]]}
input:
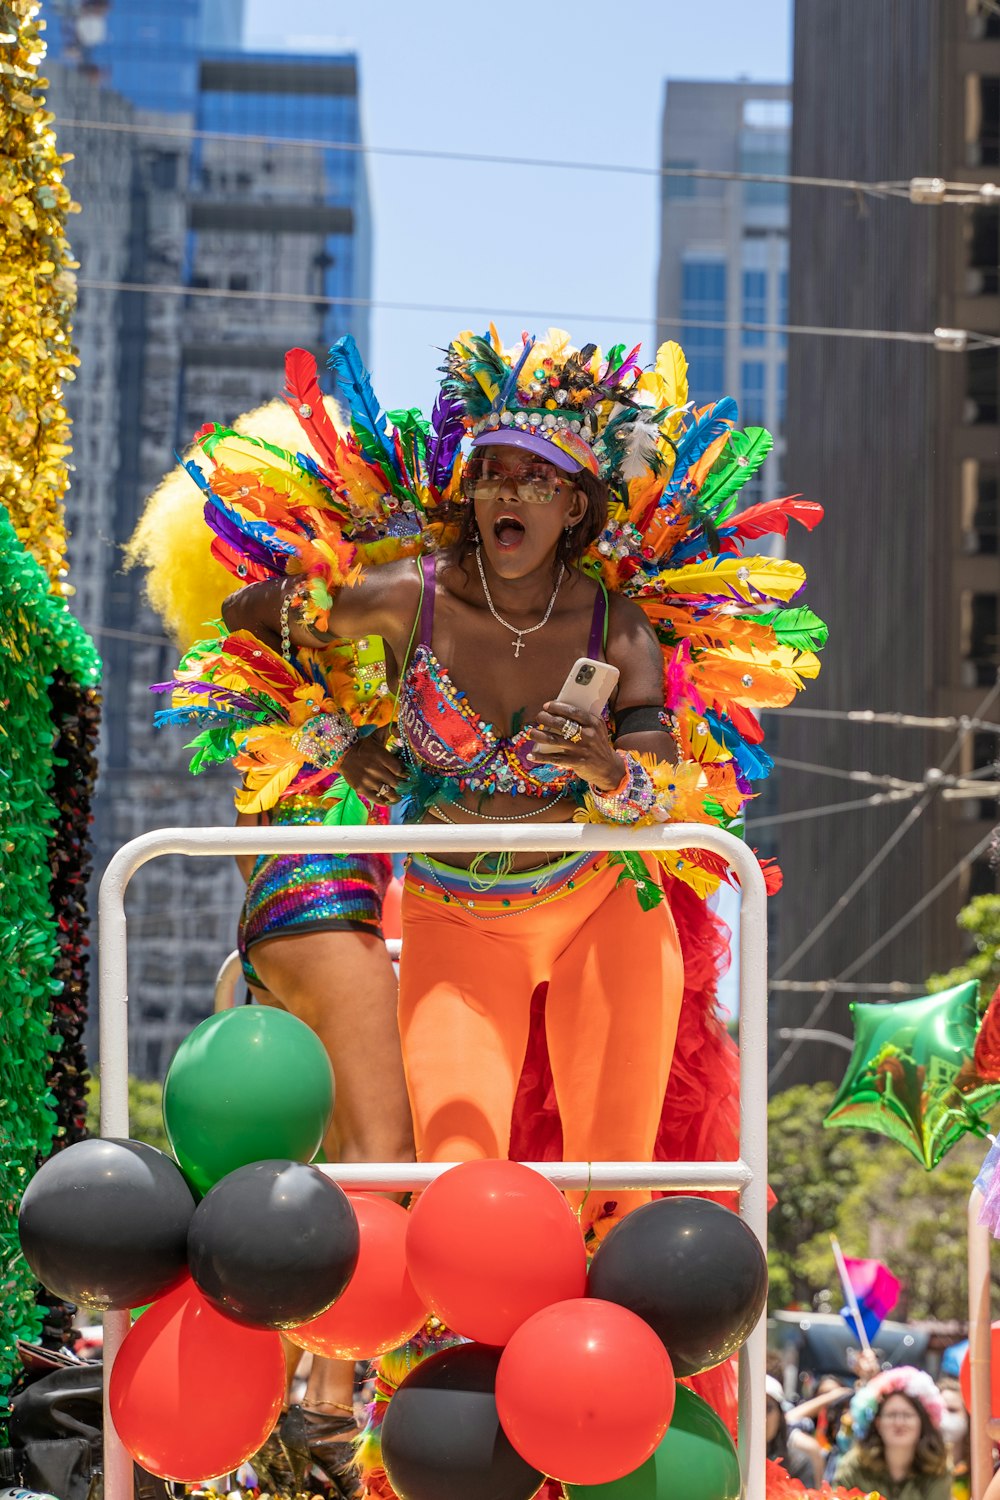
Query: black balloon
{"points": [[273, 1244], [105, 1222], [692, 1270], [442, 1439]]}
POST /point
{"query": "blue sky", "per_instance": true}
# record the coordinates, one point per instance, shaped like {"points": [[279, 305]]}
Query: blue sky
{"points": [[580, 83]]}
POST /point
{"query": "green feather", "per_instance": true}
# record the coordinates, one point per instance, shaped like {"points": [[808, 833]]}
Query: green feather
{"points": [[797, 627], [739, 461], [649, 891], [348, 808]]}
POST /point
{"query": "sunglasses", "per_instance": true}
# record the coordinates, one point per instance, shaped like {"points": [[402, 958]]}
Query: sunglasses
{"points": [[536, 482]]}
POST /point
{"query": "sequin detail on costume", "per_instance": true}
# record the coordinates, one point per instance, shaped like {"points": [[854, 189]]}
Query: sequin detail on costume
{"points": [[289, 893], [447, 736]]}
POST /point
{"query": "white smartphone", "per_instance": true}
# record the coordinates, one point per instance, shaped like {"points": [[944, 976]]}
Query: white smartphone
{"points": [[588, 686]]}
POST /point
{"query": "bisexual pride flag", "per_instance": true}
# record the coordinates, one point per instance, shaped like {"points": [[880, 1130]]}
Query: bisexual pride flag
{"points": [[876, 1292]]}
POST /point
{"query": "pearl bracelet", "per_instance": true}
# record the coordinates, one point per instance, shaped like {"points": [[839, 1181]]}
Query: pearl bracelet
{"points": [[632, 798]]}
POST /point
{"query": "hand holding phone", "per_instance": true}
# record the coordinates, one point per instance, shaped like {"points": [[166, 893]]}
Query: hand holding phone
{"points": [[589, 685]]}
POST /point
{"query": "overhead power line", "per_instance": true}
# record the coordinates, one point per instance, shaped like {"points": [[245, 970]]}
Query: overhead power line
{"points": [[895, 720], [917, 190], [949, 340]]}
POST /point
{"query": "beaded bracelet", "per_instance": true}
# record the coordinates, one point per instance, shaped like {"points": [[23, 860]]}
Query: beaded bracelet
{"points": [[324, 739], [632, 798]]}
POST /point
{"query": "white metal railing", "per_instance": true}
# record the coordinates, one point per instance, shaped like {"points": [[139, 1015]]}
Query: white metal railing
{"points": [[747, 1175]]}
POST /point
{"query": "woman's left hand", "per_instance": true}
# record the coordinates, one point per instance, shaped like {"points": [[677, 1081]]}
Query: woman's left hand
{"points": [[589, 754]]}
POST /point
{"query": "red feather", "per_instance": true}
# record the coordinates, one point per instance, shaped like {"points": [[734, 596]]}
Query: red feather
{"points": [[768, 517], [744, 721], [237, 563], [302, 390]]}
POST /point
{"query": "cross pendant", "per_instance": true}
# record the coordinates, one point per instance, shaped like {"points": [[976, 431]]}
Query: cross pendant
{"points": [[517, 647]]}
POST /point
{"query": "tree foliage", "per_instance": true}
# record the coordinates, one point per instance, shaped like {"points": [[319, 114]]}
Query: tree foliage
{"points": [[875, 1197], [145, 1111], [981, 920]]}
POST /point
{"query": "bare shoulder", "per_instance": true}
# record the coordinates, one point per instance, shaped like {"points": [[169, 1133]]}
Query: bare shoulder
{"points": [[628, 627]]}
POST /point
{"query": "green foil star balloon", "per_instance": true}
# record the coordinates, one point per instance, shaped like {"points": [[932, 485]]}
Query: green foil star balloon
{"points": [[911, 1074]]}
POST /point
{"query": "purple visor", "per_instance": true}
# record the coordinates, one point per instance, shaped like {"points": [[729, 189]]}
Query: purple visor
{"points": [[512, 437]]}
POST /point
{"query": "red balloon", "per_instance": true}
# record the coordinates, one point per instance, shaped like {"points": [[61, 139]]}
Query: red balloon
{"points": [[381, 1307], [965, 1374], [490, 1243], [192, 1393], [585, 1391]]}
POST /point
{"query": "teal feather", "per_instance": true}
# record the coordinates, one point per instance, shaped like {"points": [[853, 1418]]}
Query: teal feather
{"points": [[368, 421]]}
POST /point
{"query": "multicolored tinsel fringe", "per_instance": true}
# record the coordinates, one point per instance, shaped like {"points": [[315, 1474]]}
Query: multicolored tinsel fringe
{"points": [[48, 675]]}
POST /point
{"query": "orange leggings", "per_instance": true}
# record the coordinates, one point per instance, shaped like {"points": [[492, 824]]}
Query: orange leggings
{"points": [[615, 979]]}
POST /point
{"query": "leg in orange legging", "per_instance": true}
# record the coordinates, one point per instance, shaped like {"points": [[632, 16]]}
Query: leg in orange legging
{"points": [[464, 1003], [611, 1019]]}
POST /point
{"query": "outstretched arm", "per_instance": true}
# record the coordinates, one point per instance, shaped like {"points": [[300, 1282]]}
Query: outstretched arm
{"points": [[383, 602]]}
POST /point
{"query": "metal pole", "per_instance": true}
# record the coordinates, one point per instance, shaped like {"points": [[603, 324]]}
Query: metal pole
{"points": [[980, 1344], [748, 1175]]}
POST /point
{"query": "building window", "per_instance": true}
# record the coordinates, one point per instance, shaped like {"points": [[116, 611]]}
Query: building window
{"points": [[982, 252], [980, 508], [753, 390], [982, 120], [680, 187], [703, 300], [781, 372], [982, 386], [980, 639], [754, 307], [983, 20]]}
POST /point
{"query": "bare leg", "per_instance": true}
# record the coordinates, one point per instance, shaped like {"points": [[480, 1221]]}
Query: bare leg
{"points": [[343, 986]]}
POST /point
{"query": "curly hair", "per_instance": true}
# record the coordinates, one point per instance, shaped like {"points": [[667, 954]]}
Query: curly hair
{"points": [[931, 1456], [571, 545]]}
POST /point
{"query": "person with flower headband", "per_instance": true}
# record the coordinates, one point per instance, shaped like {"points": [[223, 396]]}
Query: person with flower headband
{"points": [[594, 515], [898, 1451]]}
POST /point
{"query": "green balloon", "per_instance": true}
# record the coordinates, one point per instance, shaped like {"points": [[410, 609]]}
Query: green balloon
{"points": [[912, 1076], [695, 1461], [249, 1084]]}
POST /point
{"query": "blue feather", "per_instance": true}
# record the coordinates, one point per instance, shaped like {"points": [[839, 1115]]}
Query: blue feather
{"points": [[699, 437], [500, 399], [355, 382], [196, 474], [754, 762]]}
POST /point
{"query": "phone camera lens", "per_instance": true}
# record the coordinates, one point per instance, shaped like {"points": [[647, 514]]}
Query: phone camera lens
{"points": [[585, 674]]}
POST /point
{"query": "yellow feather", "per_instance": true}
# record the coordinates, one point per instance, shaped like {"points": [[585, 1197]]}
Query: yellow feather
{"points": [[260, 795], [742, 577]]}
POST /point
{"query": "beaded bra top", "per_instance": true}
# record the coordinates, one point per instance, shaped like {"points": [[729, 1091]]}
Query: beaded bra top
{"points": [[448, 739]]}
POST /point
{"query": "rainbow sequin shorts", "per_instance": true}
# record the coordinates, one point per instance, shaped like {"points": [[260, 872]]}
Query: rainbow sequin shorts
{"points": [[299, 893]]}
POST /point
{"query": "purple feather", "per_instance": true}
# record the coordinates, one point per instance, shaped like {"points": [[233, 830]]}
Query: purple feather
{"points": [[229, 530], [446, 420]]}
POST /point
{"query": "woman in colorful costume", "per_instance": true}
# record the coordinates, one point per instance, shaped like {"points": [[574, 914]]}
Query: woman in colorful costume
{"points": [[546, 421]]}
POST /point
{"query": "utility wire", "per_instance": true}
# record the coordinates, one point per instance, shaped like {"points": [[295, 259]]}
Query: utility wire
{"points": [[858, 804], [895, 720], [912, 816], [929, 897], [947, 339], [805, 986], [869, 777], [898, 189]]}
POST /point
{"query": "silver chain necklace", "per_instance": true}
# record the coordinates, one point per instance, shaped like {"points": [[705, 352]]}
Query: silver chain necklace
{"points": [[530, 630]]}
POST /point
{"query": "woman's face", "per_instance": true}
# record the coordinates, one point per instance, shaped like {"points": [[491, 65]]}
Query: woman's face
{"points": [[772, 1419], [522, 504], [898, 1422]]}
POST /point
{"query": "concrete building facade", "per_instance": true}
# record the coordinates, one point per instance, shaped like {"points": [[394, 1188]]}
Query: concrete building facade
{"points": [[900, 441]]}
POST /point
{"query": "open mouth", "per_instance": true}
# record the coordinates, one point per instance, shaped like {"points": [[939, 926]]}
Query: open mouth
{"points": [[509, 532]]}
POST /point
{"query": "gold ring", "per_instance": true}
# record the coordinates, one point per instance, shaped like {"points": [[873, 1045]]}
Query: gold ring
{"points": [[571, 731]]}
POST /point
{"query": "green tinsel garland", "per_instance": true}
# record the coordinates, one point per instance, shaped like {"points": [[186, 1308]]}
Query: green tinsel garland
{"points": [[38, 637]]}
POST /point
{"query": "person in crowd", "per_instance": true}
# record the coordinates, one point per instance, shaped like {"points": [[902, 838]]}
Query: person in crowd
{"points": [[898, 1451], [955, 1431], [793, 1458]]}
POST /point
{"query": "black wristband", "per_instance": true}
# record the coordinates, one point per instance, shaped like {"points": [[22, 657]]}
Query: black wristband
{"points": [[644, 718]]}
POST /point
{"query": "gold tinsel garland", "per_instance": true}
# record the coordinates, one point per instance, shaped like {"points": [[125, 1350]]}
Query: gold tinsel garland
{"points": [[37, 297]]}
